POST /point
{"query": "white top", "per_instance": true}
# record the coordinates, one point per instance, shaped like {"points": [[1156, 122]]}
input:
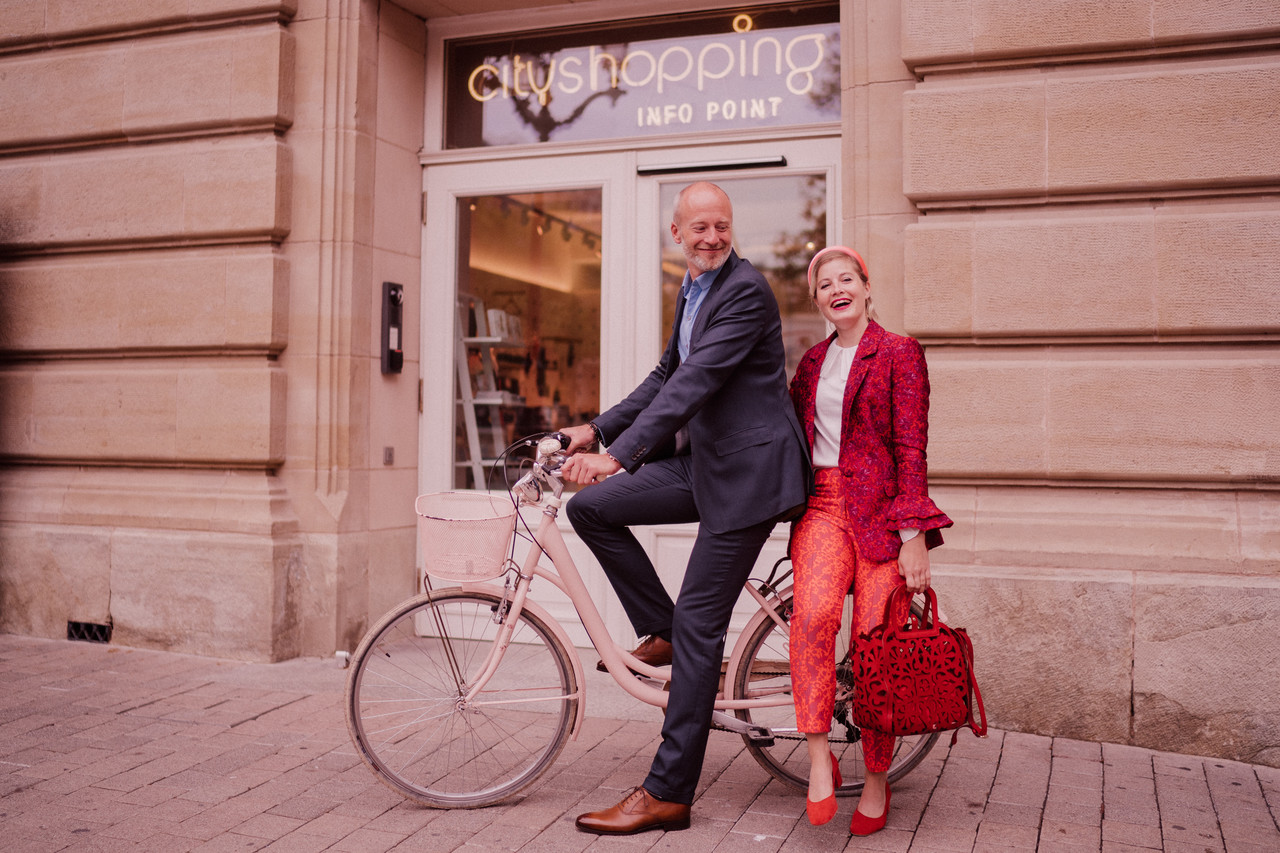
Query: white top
{"points": [[830, 405], [829, 409]]}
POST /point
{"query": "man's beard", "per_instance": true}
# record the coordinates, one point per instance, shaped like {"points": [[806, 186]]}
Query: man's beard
{"points": [[706, 264]]}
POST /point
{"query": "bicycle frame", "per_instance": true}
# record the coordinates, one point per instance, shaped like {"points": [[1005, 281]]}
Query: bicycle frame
{"points": [[548, 540]]}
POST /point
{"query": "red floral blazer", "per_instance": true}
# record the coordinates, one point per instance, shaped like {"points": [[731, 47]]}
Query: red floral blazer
{"points": [[883, 434]]}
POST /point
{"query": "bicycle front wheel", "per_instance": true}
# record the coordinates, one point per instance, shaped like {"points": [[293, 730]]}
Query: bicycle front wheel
{"points": [[409, 718], [765, 670]]}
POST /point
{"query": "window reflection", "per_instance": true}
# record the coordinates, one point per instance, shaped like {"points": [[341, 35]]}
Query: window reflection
{"points": [[778, 224], [528, 349]]}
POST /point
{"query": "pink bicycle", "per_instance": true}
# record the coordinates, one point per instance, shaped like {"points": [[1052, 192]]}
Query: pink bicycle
{"points": [[464, 696]]}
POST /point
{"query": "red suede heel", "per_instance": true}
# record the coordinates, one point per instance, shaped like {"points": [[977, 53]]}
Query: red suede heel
{"points": [[863, 825], [822, 811]]}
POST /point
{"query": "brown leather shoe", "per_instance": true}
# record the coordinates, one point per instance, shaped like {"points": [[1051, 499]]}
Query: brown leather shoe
{"points": [[639, 811], [654, 651]]}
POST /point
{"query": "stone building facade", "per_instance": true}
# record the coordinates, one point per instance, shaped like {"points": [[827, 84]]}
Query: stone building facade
{"points": [[1074, 206]]}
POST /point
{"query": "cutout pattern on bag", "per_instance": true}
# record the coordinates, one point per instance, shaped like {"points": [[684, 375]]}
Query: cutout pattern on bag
{"points": [[916, 677]]}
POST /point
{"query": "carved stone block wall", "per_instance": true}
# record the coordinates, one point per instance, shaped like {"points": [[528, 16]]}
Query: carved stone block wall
{"points": [[198, 203], [1091, 193], [146, 191]]}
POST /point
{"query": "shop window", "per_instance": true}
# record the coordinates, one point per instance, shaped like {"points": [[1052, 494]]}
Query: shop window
{"points": [[528, 349], [778, 223]]}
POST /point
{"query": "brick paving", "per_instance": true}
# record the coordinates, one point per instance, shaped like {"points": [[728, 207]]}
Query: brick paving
{"points": [[104, 748]]}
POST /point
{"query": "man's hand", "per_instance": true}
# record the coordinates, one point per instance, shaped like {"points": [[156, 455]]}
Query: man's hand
{"points": [[913, 564], [579, 437], [587, 468]]}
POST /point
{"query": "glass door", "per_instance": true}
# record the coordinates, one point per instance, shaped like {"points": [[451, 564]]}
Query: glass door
{"points": [[779, 221], [512, 319], [785, 208], [528, 302]]}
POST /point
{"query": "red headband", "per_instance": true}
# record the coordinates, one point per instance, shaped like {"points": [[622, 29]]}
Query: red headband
{"points": [[826, 253]]}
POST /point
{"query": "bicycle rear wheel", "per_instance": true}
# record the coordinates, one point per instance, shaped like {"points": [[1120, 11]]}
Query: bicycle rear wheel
{"points": [[766, 670], [408, 718]]}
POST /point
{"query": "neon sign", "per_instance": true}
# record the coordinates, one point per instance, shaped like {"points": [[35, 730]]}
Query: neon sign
{"points": [[743, 76]]}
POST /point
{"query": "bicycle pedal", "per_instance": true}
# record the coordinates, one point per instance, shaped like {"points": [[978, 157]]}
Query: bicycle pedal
{"points": [[757, 735]]}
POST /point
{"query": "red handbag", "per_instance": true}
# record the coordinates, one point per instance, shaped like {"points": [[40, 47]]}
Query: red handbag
{"points": [[916, 677]]}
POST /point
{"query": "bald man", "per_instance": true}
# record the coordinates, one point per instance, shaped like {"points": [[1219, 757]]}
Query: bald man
{"points": [[709, 436]]}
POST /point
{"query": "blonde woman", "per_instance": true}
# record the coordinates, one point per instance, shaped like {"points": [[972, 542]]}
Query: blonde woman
{"points": [[862, 397]]}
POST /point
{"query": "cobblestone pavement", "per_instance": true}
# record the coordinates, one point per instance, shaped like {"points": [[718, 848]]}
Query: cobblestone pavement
{"points": [[104, 748]]}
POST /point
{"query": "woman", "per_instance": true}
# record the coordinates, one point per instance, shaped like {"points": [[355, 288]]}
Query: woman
{"points": [[863, 398]]}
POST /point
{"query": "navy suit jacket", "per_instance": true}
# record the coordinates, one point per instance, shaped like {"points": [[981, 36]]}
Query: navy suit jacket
{"points": [[750, 460]]}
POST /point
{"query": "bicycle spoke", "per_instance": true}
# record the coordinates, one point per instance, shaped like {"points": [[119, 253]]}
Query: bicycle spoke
{"points": [[408, 712]]}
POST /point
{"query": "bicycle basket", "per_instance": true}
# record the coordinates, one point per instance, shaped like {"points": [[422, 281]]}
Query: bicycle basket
{"points": [[465, 536]]}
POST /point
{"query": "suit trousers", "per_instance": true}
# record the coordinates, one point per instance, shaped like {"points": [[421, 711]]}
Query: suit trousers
{"points": [[661, 492]]}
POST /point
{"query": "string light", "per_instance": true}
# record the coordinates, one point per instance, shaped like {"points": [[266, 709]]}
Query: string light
{"points": [[547, 221]]}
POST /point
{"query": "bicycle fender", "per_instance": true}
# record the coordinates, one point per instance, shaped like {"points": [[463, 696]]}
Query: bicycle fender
{"points": [[562, 635]]}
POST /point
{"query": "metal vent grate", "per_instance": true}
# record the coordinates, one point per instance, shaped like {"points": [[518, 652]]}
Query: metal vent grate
{"points": [[90, 632]]}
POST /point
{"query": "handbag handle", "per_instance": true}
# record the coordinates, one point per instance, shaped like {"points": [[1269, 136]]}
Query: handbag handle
{"points": [[930, 618]]}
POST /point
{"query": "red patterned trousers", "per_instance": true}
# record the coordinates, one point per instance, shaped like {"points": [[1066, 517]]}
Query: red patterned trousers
{"points": [[824, 555]]}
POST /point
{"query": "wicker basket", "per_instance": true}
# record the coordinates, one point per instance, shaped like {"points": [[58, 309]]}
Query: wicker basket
{"points": [[465, 536]]}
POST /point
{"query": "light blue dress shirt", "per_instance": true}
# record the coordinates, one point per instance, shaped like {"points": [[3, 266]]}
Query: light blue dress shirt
{"points": [[694, 292]]}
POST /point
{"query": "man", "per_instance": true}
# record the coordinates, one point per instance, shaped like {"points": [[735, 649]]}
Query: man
{"points": [[710, 436]]}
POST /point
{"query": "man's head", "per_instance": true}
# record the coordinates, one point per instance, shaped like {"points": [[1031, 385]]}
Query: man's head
{"points": [[703, 226]]}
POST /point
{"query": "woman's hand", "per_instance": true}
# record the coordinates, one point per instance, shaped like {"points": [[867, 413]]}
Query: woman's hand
{"points": [[913, 563]]}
